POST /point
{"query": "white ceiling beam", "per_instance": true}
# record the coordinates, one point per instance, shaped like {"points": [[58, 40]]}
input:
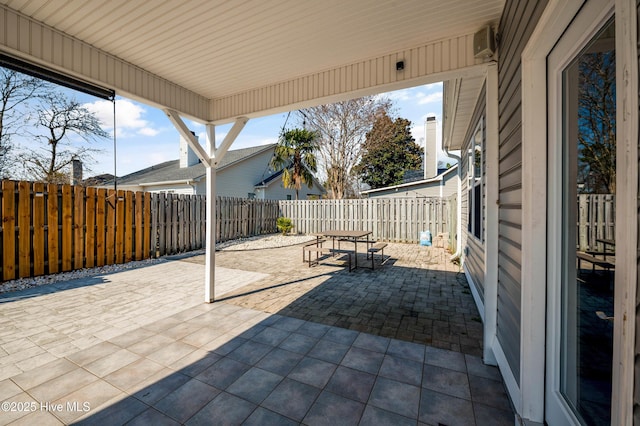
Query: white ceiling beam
{"points": [[228, 140], [191, 139]]}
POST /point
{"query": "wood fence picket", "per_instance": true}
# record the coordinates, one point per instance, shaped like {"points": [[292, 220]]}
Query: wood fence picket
{"points": [[596, 220], [389, 219], [49, 228]]}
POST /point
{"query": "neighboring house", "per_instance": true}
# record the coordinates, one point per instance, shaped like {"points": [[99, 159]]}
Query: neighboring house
{"points": [[444, 184], [242, 173], [98, 180], [429, 181]]}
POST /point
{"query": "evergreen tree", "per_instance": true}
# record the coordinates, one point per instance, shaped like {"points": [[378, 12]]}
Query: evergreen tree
{"points": [[389, 150]]}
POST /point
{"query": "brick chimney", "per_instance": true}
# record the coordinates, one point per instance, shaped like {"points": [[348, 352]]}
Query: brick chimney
{"points": [[76, 172]]}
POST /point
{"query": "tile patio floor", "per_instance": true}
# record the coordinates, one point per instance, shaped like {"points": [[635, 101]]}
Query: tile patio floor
{"points": [[284, 344]]}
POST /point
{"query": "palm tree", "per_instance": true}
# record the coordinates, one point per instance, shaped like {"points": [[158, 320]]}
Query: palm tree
{"points": [[295, 154]]}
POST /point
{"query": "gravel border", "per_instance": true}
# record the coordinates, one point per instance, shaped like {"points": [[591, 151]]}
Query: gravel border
{"points": [[264, 242], [251, 243]]}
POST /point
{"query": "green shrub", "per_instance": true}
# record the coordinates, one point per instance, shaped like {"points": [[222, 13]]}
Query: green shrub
{"points": [[284, 224]]}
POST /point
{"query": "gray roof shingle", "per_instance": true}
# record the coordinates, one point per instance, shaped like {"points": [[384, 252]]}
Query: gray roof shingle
{"points": [[171, 171]]}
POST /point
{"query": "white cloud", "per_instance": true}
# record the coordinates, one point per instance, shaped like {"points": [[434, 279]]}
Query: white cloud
{"points": [[129, 117], [399, 95], [418, 134], [148, 131], [429, 98]]}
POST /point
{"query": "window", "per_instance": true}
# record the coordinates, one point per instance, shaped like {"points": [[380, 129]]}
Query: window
{"points": [[476, 174], [251, 196]]}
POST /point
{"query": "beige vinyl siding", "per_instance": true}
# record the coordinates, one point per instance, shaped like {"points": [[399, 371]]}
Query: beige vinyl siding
{"points": [[474, 264], [448, 186], [59, 51], [518, 20], [464, 202], [238, 180], [174, 189], [474, 258], [369, 76], [276, 191]]}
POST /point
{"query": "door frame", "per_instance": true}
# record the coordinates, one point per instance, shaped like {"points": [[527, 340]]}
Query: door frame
{"points": [[536, 301], [588, 21]]}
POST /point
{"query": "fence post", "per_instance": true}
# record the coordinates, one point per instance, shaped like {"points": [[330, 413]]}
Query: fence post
{"points": [[67, 228], [39, 256], [101, 226], [78, 227], [53, 229], [90, 227], [24, 229], [8, 230]]}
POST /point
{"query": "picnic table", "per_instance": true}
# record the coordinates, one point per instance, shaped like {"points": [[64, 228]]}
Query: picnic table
{"points": [[354, 236], [602, 262]]}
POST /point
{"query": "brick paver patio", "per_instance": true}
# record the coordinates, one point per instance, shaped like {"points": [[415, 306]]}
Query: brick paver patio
{"points": [[284, 344], [418, 295]]}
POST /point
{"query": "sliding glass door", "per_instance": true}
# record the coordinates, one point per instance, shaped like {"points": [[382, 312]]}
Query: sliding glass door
{"points": [[582, 69]]}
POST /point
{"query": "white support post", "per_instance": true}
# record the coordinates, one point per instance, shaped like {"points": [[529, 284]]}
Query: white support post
{"points": [[491, 215], [210, 158], [210, 253]]}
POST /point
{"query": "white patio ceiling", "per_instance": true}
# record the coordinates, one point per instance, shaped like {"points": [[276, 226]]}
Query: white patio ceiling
{"points": [[216, 60]]}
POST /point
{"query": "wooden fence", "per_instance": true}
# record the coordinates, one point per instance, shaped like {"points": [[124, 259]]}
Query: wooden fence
{"points": [[48, 228], [56, 228], [242, 217], [596, 220], [389, 219]]}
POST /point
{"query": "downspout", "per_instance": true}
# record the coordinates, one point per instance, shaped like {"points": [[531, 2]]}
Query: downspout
{"points": [[445, 148], [458, 252]]}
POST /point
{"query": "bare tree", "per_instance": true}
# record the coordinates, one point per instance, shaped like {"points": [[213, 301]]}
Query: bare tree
{"points": [[16, 91], [61, 119], [597, 122], [342, 128]]}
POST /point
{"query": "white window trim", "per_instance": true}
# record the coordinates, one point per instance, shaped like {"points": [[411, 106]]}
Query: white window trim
{"points": [[473, 182], [626, 206]]}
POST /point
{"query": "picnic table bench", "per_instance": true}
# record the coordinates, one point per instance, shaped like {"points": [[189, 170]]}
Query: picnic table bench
{"points": [[375, 248], [321, 251], [595, 261]]}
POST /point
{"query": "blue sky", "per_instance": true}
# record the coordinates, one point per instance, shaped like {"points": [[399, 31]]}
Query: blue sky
{"points": [[145, 136]]}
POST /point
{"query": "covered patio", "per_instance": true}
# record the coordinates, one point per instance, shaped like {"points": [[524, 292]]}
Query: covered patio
{"points": [[283, 344]]}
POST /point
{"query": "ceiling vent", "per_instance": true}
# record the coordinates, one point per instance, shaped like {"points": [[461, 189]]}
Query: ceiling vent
{"points": [[483, 43]]}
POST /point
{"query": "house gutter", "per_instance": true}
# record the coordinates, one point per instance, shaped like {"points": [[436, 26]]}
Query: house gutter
{"points": [[170, 182], [438, 178]]}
